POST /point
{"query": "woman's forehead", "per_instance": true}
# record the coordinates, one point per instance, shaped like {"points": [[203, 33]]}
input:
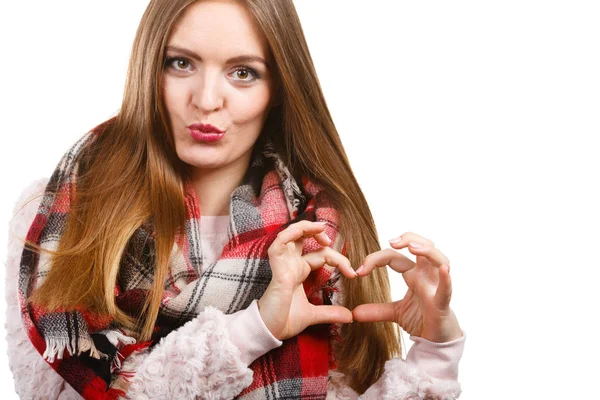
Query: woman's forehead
{"points": [[219, 29]]}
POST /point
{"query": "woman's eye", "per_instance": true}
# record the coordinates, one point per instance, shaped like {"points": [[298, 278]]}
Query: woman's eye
{"points": [[178, 63], [182, 64], [243, 72]]}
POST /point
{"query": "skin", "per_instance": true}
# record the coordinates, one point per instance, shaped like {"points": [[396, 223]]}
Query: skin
{"points": [[424, 311], [200, 85], [284, 306], [205, 88]]}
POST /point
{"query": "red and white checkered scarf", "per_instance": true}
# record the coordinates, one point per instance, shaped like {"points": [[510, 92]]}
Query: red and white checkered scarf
{"points": [[267, 201]]}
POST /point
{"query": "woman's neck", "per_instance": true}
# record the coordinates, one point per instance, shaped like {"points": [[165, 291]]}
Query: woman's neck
{"points": [[214, 186]]}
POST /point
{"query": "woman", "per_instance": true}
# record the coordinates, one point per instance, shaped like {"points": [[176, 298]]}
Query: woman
{"points": [[200, 243]]}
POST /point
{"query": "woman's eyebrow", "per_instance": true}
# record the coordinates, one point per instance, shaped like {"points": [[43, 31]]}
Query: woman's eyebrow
{"points": [[241, 58]]}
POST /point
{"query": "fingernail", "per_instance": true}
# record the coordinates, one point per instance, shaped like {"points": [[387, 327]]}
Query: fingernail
{"points": [[396, 240], [359, 270], [328, 239], [415, 245], [321, 222]]}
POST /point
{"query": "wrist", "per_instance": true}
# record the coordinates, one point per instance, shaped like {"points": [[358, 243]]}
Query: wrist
{"points": [[442, 331], [270, 308]]}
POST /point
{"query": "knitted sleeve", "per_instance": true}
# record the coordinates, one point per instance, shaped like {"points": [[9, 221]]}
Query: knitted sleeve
{"points": [[183, 365], [430, 372]]}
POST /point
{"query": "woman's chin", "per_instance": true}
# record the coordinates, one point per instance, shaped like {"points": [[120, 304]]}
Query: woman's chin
{"points": [[206, 164], [204, 159]]}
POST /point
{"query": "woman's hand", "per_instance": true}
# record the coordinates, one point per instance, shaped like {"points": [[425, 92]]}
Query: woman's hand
{"points": [[425, 309], [284, 307]]}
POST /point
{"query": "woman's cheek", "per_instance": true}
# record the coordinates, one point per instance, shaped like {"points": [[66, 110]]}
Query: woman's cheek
{"points": [[251, 108], [174, 95]]}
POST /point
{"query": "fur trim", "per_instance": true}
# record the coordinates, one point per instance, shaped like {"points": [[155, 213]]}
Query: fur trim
{"points": [[399, 381], [197, 360]]}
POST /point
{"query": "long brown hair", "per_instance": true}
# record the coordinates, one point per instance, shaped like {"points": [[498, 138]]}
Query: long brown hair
{"points": [[133, 174]]}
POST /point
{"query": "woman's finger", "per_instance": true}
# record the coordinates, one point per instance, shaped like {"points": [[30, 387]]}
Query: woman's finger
{"points": [[410, 237], [443, 294], [398, 262], [307, 228], [322, 238], [294, 232], [420, 246], [375, 312], [331, 315], [431, 253], [326, 255]]}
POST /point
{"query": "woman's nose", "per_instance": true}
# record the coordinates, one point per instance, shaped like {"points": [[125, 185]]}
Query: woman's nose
{"points": [[207, 95]]}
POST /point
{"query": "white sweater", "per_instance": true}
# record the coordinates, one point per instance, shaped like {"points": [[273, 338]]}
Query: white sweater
{"points": [[429, 371]]}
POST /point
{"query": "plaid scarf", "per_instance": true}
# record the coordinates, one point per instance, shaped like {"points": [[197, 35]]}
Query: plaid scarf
{"points": [[267, 201]]}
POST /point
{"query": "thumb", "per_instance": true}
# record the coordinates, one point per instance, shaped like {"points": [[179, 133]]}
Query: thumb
{"points": [[443, 294], [330, 315]]}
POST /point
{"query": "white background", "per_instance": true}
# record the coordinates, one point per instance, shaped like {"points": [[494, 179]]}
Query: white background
{"points": [[471, 123]]}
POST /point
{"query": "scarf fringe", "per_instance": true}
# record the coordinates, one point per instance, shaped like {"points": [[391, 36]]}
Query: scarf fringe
{"points": [[116, 362], [115, 336], [55, 349]]}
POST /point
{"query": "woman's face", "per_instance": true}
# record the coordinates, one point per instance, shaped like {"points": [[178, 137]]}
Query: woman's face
{"points": [[207, 79]]}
